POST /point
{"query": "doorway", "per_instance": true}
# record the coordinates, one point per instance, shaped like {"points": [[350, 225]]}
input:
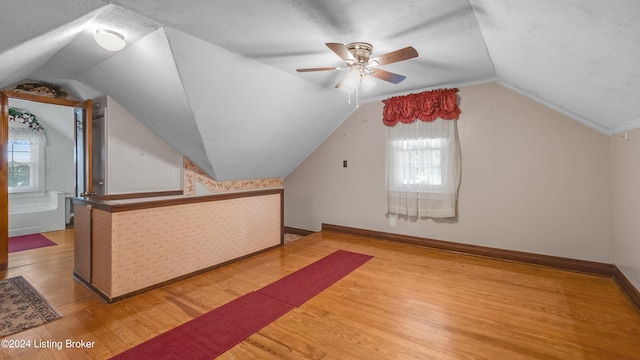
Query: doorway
{"points": [[82, 117]]}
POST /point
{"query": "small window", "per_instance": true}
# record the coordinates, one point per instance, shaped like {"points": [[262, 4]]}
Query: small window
{"points": [[424, 156], [25, 163], [423, 169]]}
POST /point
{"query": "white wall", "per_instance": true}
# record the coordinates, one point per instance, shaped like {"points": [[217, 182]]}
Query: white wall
{"points": [[137, 160], [626, 203], [59, 163], [532, 180]]}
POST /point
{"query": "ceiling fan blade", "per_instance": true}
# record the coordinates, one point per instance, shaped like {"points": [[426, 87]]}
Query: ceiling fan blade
{"points": [[341, 51], [340, 83], [388, 76], [394, 56], [318, 69]]}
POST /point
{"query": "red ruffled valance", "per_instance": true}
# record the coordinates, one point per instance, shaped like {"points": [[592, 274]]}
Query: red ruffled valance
{"points": [[426, 106]]}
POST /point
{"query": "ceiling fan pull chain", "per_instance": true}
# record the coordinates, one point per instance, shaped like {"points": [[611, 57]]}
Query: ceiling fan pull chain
{"points": [[357, 97]]}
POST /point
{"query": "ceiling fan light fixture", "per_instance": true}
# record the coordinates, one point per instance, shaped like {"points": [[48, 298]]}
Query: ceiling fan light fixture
{"points": [[367, 82], [109, 40], [352, 80]]}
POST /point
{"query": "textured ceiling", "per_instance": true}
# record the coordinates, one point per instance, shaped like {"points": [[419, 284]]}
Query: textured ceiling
{"points": [[292, 34], [216, 80], [579, 57]]}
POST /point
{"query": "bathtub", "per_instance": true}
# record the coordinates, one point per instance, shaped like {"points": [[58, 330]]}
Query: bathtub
{"points": [[31, 215]]}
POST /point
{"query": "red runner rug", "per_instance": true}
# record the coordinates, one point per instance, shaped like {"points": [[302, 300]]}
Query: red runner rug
{"points": [[217, 331], [298, 287], [28, 242]]}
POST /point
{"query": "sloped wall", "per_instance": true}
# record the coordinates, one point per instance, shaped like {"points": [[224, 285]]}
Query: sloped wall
{"points": [[532, 180], [254, 121], [137, 160]]}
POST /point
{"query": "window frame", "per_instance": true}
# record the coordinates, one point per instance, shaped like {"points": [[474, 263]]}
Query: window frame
{"points": [[421, 149], [37, 172]]}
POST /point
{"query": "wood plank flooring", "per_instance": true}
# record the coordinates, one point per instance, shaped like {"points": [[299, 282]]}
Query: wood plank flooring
{"points": [[406, 303]]}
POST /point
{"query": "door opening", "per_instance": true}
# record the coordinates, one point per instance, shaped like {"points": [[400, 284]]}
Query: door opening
{"points": [[83, 155]]}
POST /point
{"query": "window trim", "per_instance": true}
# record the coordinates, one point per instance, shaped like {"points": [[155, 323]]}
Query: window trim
{"points": [[38, 186], [404, 185]]}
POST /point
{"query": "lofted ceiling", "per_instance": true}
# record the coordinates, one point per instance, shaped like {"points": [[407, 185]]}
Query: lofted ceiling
{"points": [[216, 80]]}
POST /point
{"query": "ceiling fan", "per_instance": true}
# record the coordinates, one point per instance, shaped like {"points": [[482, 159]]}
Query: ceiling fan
{"points": [[361, 67]]}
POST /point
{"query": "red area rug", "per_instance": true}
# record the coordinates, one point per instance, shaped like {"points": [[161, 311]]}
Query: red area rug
{"points": [[217, 331], [28, 242]]}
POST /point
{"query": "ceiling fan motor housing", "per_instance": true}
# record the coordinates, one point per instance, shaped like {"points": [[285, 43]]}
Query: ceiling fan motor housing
{"points": [[360, 51]]}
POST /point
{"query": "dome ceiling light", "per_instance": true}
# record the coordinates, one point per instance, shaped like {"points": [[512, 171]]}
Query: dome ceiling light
{"points": [[109, 40]]}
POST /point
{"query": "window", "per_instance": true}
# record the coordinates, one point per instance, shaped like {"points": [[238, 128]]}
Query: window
{"points": [[25, 153], [25, 167], [423, 153], [423, 165], [423, 157]]}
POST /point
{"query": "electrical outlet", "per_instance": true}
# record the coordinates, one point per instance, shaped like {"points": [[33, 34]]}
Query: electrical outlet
{"points": [[392, 221]]}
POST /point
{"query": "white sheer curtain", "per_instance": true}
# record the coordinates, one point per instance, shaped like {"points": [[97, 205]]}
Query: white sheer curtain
{"points": [[423, 168]]}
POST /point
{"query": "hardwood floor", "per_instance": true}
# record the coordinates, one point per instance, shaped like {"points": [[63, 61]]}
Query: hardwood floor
{"points": [[406, 303]]}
